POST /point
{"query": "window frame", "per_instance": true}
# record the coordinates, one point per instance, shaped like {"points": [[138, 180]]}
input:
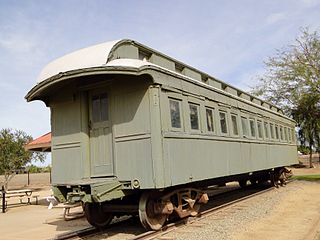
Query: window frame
{"points": [[247, 135], [190, 103], [261, 129], [180, 102], [266, 129], [226, 120], [281, 133], [285, 130], [98, 95], [212, 109], [272, 131], [232, 114], [294, 138], [252, 119], [277, 133], [289, 135]]}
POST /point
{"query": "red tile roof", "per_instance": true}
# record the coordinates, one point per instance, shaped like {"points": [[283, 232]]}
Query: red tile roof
{"points": [[42, 144]]}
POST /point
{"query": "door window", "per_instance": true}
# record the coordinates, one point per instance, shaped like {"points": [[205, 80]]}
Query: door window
{"points": [[100, 108]]}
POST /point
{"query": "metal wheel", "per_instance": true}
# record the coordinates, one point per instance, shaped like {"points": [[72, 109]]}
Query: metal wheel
{"points": [[149, 219], [282, 177], [274, 179], [195, 210], [243, 183], [254, 182], [96, 216]]}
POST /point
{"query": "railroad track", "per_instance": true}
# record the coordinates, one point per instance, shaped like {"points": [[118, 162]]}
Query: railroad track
{"points": [[220, 201], [202, 215]]}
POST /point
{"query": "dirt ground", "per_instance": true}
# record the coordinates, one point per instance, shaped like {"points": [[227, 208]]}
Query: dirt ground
{"points": [[297, 216]]}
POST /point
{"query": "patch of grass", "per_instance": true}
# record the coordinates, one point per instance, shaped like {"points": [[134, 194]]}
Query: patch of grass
{"points": [[315, 177]]}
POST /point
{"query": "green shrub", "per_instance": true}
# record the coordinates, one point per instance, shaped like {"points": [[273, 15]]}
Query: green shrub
{"points": [[304, 150]]}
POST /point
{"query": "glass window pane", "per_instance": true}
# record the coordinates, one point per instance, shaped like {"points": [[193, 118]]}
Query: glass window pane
{"points": [[234, 124], [244, 123], [175, 114], [95, 109], [194, 116], [293, 135], [252, 128], [281, 133], [276, 130], [285, 134], [266, 130], [209, 113], [104, 107], [223, 122], [289, 134], [259, 129], [271, 130]]}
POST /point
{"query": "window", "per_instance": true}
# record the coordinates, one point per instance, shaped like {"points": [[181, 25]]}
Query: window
{"points": [[271, 130], [194, 116], [293, 135], [244, 124], [234, 124], [99, 108], [209, 114], [277, 133], [285, 134], [281, 133], [223, 122], [266, 130], [259, 129], [289, 134], [252, 128], [175, 113]]}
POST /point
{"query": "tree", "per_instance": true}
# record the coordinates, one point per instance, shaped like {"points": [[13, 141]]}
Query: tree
{"points": [[13, 156], [307, 115], [292, 81]]}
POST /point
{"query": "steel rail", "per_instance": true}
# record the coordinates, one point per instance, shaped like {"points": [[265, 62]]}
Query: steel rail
{"points": [[202, 215], [86, 232], [78, 233]]}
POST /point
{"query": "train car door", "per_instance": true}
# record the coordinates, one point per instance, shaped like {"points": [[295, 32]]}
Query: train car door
{"points": [[100, 134]]}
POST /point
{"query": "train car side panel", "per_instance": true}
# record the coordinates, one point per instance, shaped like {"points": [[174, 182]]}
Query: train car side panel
{"points": [[67, 158], [132, 132]]}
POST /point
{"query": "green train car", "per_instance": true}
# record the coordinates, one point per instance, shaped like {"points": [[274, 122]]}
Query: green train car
{"points": [[137, 132]]}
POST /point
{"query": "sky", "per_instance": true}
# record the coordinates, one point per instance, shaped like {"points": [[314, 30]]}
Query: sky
{"points": [[229, 40]]}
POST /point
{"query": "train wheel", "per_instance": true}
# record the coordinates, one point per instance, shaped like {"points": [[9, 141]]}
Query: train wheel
{"points": [[283, 177], [196, 209], [149, 219], [96, 216], [253, 182], [243, 183], [274, 179]]}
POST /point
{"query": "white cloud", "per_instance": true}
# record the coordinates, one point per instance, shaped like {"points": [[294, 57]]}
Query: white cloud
{"points": [[248, 79], [17, 43], [310, 3], [276, 17], [227, 39]]}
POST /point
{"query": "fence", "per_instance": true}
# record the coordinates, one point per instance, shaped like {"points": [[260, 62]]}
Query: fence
{"points": [[29, 179]]}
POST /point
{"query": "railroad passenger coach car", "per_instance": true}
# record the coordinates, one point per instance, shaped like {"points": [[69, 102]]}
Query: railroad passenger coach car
{"points": [[137, 132]]}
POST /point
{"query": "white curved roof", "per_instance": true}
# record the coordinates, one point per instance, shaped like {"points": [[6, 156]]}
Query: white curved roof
{"points": [[93, 56], [122, 54]]}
